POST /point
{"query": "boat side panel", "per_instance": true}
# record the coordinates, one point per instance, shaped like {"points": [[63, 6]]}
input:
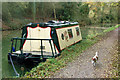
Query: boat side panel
{"points": [[64, 38]]}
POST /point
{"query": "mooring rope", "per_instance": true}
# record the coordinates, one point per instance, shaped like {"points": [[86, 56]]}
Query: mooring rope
{"points": [[13, 66]]}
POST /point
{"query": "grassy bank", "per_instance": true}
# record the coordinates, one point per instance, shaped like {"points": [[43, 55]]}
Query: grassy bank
{"points": [[111, 28], [45, 69]]}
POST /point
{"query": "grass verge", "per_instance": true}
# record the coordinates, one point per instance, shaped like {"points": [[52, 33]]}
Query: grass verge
{"points": [[45, 69], [111, 28]]}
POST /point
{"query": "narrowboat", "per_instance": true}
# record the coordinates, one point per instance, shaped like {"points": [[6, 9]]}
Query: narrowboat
{"points": [[44, 40]]}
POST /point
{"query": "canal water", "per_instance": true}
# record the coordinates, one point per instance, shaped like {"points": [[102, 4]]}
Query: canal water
{"points": [[7, 69]]}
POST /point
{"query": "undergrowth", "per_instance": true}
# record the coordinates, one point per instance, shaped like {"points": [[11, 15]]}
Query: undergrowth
{"points": [[16, 23]]}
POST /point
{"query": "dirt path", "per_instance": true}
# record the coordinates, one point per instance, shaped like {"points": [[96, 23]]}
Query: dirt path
{"points": [[82, 67]]}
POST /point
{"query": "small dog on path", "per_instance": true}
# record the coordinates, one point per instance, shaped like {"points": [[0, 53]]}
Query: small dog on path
{"points": [[95, 59]]}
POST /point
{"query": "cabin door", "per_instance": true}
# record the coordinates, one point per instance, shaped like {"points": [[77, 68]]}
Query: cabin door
{"points": [[40, 33]]}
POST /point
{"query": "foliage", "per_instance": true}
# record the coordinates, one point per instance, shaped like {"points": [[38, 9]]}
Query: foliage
{"points": [[68, 11], [13, 10], [85, 13], [103, 12]]}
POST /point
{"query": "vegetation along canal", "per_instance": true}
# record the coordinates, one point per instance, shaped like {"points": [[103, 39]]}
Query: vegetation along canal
{"points": [[7, 69]]}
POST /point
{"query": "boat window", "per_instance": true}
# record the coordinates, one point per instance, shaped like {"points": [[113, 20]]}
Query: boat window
{"points": [[70, 33], [77, 31]]}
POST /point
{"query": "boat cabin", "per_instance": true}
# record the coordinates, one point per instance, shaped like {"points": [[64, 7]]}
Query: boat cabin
{"points": [[44, 40]]}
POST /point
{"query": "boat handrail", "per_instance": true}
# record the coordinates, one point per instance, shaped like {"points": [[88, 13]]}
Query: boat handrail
{"points": [[16, 38], [41, 40]]}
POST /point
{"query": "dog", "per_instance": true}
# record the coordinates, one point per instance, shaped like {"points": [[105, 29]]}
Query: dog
{"points": [[95, 59]]}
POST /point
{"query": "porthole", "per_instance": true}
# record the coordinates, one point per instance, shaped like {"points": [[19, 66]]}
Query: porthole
{"points": [[62, 36]]}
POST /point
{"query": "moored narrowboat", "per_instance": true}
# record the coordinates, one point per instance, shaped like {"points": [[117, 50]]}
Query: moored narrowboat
{"points": [[44, 40]]}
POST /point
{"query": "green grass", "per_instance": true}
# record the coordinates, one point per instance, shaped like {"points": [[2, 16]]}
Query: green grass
{"points": [[91, 36], [90, 32], [48, 68], [111, 28]]}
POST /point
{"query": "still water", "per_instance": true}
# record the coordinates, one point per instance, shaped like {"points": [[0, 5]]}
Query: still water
{"points": [[7, 69]]}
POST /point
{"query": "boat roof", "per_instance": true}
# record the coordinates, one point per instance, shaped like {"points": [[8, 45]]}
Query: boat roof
{"points": [[53, 24]]}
